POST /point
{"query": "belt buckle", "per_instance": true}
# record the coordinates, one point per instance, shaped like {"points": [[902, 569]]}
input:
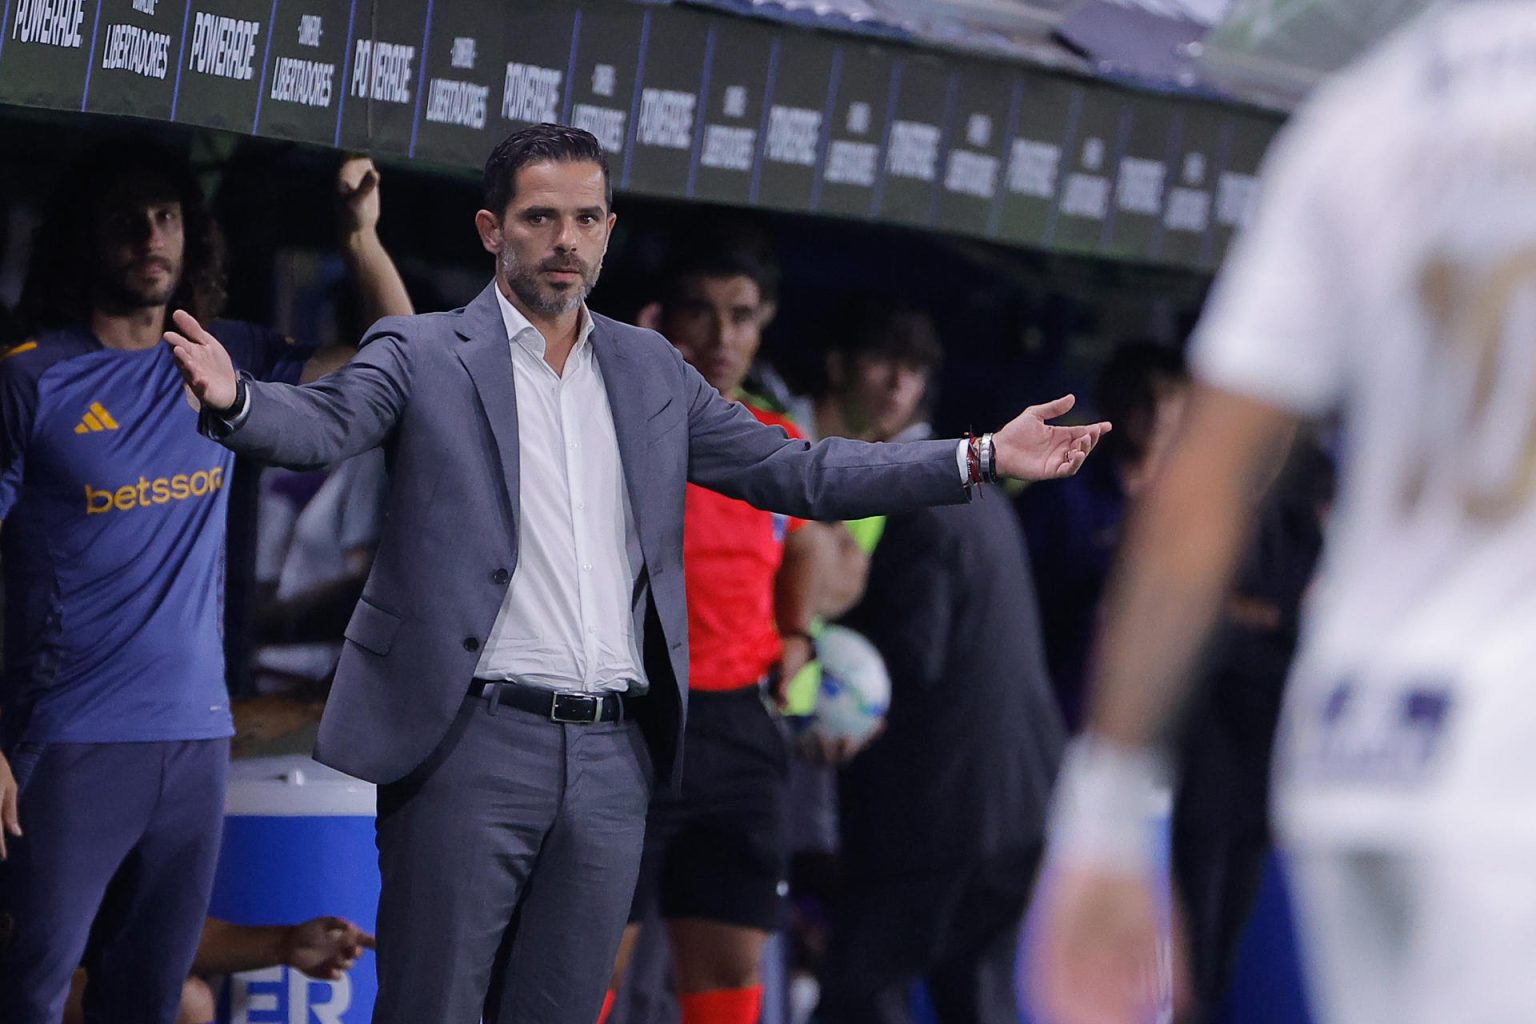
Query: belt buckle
{"points": [[576, 708]]}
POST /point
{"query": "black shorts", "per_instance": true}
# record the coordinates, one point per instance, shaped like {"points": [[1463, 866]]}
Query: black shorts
{"points": [[717, 849]]}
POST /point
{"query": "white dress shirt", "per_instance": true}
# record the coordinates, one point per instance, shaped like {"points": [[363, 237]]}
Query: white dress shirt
{"points": [[566, 621]]}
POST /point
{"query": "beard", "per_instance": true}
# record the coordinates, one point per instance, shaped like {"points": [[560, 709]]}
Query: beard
{"points": [[538, 294], [119, 291]]}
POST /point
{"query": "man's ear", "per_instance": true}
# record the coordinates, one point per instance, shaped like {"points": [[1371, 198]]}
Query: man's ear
{"points": [[488, 227], [765, 314], [613, 219], [649, 317]]}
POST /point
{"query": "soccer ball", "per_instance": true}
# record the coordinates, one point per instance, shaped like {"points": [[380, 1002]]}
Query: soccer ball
{"points": [[855, 687]]}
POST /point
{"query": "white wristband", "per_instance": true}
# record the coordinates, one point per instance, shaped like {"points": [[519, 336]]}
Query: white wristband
{"points": [[1103, 809]]}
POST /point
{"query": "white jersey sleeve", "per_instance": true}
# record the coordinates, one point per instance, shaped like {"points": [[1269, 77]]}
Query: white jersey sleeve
{"points": [[1277, 327]]}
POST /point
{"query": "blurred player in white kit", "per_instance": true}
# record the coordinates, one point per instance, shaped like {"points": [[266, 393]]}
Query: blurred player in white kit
{"points": [[1390, 278]]}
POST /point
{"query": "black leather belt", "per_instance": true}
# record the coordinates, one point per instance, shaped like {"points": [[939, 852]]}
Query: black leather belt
{"points": [[570, 707]]}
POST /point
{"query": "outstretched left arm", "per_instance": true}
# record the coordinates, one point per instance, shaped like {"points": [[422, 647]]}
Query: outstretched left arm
{"points": [[838, 478]]}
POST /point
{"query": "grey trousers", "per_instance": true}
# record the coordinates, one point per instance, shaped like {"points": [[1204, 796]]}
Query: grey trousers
{"points": [[508, 863]]}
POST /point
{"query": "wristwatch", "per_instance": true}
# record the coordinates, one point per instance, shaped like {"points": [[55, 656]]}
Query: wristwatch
{"points": [[218, 424]]}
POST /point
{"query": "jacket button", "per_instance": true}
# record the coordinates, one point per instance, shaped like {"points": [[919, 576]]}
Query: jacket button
{"points": [[471, 644], [500, 576]]}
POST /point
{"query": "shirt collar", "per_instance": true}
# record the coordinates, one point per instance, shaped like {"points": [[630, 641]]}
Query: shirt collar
{"points": [[521, 332]]}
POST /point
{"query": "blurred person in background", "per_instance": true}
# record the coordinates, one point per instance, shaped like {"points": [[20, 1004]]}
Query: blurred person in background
{"points": [[941, 818], [114, 718], [1387, 276], [1074, 530], [715, 855], [1220, 832], [1220, 827], [316, 534], [1221, 836]]}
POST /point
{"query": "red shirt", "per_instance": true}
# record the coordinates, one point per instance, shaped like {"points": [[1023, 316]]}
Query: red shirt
{"points": [[731, 556]]}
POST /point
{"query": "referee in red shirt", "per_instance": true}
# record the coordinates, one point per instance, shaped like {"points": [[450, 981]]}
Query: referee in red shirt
{"points": [[715, 856]]}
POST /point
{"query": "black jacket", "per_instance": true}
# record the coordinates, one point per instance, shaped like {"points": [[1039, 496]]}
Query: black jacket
{"points": [[974, 736]]}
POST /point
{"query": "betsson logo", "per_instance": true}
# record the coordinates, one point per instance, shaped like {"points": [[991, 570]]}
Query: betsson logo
{"points": [[158, 491]]}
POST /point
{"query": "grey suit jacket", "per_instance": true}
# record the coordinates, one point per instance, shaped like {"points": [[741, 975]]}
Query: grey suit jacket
{"points": [[436, 391]]}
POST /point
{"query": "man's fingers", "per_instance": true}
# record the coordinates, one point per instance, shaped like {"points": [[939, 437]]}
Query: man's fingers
{"points": [[1094, 432], [366, 941], [185, 361], [192, 329], [353, 173], [10, 823], [1071, 462], [352, 193], [1050, 410]]}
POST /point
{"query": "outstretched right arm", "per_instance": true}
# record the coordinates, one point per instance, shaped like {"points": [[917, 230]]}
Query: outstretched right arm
{"points": [[339, 415]]}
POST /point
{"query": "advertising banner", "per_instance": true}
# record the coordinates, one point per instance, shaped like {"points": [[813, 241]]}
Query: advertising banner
{"points": [[688, 104]]}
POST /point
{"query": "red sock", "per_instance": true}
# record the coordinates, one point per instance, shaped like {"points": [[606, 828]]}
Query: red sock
{"points": [[607, 1007], [722, 1006]]}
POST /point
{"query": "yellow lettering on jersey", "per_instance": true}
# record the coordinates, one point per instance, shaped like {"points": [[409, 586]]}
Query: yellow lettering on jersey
{"points": [[146, 492]]}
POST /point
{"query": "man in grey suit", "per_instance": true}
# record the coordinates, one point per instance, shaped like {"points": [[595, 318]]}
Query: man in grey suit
{"points": [[518, 662]]}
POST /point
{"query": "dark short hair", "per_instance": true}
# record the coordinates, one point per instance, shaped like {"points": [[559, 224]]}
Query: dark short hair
{"points": [[718, 247], [57, 291], [536, 143], [1137, 376], [879, 327]]}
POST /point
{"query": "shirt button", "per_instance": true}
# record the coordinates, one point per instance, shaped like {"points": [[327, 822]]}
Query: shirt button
{"points": [[581, 505], [500, 576], [471, 644], [575, 445], [586, 566]]}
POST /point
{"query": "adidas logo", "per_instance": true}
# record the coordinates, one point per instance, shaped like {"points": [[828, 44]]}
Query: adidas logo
{"points": [[96, 420]]}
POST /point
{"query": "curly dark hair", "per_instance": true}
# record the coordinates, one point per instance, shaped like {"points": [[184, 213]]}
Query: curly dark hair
{"points": [[530, 145], [59, 280]]}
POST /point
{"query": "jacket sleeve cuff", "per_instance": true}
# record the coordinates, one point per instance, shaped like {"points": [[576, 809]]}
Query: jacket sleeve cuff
{"points": [[219, 425]]}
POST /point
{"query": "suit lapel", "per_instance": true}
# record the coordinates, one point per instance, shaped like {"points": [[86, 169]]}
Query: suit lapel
{"points": [[624, 382], [487, 355]]}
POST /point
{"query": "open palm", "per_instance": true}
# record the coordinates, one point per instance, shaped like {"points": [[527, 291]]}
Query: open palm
{"points": [[1030, 448], [205, 366]]}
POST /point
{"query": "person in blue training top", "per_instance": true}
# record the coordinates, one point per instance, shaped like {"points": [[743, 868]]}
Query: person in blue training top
{"points": [[114, 717]]}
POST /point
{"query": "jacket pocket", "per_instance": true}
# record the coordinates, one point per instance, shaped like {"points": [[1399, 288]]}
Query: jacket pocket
{"points": [[372, 628]]}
